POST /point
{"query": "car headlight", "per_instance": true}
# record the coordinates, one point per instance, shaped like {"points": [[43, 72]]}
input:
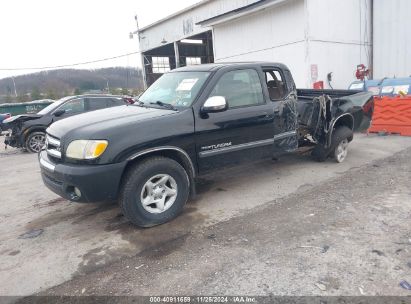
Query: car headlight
{"points": [[86, 149]]}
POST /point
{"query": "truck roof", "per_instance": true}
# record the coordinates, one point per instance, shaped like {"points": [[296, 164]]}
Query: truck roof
{"points": [[216, 66]]}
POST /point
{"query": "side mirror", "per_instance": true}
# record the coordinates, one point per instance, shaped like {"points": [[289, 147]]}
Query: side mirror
{"points": [[215, 104], [59, 113]]}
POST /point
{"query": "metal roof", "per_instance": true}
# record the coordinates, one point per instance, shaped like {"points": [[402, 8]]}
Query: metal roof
{"points": [[236, 13], [175, 14]]}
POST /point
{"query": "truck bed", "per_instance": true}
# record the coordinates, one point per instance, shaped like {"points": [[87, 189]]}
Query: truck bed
{"points": [[318, 111], [310, 93]]}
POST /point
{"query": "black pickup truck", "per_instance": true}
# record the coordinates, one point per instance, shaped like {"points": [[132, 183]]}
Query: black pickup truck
{"points": [[147, 156]]}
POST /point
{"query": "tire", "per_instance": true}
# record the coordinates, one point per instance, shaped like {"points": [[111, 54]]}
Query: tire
{"points": [[147, 177], [339, 135], [35, 142], [339, 143], [320, 154]]}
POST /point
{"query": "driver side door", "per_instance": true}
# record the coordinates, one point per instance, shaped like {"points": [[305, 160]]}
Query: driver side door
{"points": [[244, 131], [70, 108]]}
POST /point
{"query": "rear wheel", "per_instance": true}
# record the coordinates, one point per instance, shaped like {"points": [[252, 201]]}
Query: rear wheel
{"points": [[35, 142], [340, 140], [339, 144], [320, 154], [154, 191]]}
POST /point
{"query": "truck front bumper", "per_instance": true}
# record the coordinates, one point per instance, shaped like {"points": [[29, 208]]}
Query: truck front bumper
{"points": [[14, 141], [82, 183]]}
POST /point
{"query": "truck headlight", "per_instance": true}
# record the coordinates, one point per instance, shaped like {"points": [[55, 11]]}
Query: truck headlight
{"points": [[86, 149]]}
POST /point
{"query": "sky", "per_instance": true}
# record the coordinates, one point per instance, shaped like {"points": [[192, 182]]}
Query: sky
{"points": [[38, 33]]}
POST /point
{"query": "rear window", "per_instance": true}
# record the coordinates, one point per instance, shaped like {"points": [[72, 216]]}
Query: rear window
{"points": [[97, 103], [357, 86]]}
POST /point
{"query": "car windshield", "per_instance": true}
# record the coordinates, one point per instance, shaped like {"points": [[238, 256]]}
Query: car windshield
{"points": [[53, 106], [178, 89]]}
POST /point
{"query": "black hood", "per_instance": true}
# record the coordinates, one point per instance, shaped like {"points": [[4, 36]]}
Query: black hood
{"points": [[87, 124]]}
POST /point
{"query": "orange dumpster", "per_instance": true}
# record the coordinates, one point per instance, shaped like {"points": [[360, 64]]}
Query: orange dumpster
{"points": [[392, 115]]}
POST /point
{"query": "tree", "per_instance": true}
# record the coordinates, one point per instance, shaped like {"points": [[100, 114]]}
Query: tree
{"points": [[9, 98], [35, 94], [115, 91], [23, 98], [88, 85], [124, 91], [136, 92], [77, 91], [51, 94]]}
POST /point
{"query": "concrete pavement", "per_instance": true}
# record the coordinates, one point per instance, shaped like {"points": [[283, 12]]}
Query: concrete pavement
{"points": [[77, 239]]}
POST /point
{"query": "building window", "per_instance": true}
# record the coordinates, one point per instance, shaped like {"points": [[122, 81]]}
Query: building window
{"points": [[161, 64], [193, 60]]}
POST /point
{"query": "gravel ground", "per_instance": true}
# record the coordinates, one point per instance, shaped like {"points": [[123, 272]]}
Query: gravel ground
{"points": [[349, 236]]}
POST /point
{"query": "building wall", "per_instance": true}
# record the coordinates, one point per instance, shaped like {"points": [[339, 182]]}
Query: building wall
{"points": [[275, 34], [339, 38], [392, 40], [333, 35], [184, 25]]}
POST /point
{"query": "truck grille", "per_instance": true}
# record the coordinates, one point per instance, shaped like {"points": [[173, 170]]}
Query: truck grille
{"points": [[53, 147]]}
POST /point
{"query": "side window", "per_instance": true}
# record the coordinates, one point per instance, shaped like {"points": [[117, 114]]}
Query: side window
{"points": [[96, 103], [240, 88], [73, 106], [276, 85], [113, 102]]}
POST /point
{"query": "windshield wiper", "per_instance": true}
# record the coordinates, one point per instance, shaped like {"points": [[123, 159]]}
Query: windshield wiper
{"points": [[139, 103], [164, 105]]}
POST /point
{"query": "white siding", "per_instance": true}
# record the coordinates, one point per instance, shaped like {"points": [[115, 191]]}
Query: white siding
{"points": [[340, 59], [335, 35], [339, 38], [332, 34], [183, 25], [392, 39], [276, 34]]}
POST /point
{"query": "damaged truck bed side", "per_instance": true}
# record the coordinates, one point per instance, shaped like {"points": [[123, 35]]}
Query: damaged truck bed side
{"points": [[322, 112], [147, 156]]}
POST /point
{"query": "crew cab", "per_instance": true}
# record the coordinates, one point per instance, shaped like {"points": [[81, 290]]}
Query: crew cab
{"points": [[191, 121]]}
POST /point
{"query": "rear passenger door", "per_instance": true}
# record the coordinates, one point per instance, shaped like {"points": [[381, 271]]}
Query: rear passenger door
{"points": [[96, 103], [284, 100], [244, 131]]}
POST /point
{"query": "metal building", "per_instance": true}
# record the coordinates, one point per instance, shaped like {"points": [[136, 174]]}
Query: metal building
{"points": [[392, 38], [317, 39]]}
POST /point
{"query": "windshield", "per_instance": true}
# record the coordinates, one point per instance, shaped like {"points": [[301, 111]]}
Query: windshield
{"points": [[178, 89], [53, 106]]}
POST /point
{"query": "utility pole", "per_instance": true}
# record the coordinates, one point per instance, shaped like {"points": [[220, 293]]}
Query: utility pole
{"points": [[14, 83], [143, 65]]}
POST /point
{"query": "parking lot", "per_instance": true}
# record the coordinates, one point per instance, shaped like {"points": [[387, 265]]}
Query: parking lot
{"points": [[46, 241]]}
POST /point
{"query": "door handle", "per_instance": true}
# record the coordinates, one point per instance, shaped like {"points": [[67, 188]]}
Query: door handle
{"points": [[265, 115]]}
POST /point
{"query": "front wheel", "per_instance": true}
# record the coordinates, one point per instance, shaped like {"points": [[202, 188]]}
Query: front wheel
{"points": [[35, 142], [154, 191]]}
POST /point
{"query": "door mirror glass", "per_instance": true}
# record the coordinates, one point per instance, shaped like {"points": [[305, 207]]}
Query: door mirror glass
{"points": [[215, 104], [59, 112]]}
